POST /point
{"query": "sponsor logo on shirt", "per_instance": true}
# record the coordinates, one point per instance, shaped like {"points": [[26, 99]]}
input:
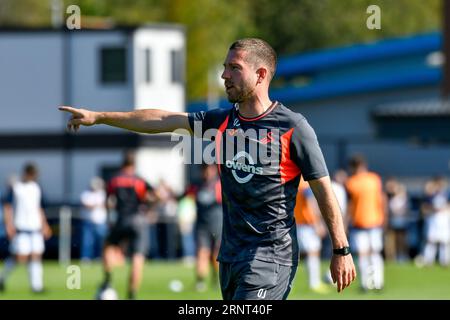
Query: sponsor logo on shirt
{"points": [[240, 166]]}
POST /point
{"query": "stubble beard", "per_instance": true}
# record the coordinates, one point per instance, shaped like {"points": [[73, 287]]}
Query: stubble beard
{"points": [[241, 95]]}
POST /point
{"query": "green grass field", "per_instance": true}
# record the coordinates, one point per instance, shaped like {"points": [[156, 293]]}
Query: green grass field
{"points": [[403, 281]]}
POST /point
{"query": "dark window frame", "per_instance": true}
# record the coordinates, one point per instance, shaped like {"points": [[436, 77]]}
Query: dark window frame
{"points": [[148, 65], [111, 76], [177, 66]]}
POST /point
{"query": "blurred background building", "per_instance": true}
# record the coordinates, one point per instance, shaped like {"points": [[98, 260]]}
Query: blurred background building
{"points": [[115, 69], [109, 69]]}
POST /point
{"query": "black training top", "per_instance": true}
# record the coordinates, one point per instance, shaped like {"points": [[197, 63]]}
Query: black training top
{"points": [[208, 200], [260, 162], [130, 192]]}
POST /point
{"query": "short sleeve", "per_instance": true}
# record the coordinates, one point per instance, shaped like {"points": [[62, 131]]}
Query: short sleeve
{"points": [[204, 120], [306, 152], [85, 198], [8, 198]]}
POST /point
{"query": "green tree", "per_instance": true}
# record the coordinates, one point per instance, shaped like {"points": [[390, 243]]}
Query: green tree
{"points": [[302, 25], [26, 13], [211, 26], [291, 26]]}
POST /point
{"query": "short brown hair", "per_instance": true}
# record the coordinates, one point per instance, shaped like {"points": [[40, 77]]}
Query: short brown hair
{"points": [[259, 51], [357, 161], [129, 158], [30, 169]]}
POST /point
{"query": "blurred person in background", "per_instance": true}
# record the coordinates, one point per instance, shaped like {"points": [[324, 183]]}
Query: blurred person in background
{"points": [[94, 216], [208, 226], [436, 210], [166, 207], [2, 224], [187, 214], [310, 231], [128, 234], [367, 209], [396, 247], [152, 220], [26, 228], [338, 180]]}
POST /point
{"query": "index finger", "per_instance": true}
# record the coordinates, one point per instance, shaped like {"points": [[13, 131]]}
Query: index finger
{"points": [[340, 284], [68, 109]]}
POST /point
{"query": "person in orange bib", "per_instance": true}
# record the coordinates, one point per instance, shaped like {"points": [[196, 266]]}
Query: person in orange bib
{"points": [[366, 212]]}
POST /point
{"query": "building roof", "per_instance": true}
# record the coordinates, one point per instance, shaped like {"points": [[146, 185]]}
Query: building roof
{"points": [[355, 85], [389, 64], [124, 28], [415, 108], [320, 60]]}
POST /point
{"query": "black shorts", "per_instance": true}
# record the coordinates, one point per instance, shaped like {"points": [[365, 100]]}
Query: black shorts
{"points": [[255, 280], [132, 232], [208, 236]]}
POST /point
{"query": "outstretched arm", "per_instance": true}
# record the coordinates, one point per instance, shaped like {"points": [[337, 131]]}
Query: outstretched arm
{"points": [[342, 268], [144, 121]]}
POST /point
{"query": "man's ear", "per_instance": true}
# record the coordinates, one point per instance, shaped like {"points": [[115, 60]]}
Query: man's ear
{"points": [[262, 74]]}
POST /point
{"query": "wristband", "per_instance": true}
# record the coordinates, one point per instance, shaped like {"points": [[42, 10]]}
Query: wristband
{"points": [[342, 251]]}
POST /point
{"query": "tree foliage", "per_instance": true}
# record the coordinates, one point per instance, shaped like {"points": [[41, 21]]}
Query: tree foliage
{"points": [[291, 26]]}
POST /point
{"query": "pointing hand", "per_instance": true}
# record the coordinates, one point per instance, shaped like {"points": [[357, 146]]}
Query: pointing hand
{"points": [[79, 117]]}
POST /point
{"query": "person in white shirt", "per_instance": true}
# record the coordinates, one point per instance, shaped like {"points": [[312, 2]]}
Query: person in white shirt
{"points": [[338, 185], [436, 209], [94, 216], [26, 227]]}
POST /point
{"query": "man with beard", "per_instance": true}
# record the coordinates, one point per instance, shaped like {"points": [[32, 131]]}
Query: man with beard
{"points": [[259, 253]]}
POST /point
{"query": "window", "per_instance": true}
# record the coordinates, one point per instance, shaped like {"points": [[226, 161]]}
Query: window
{"points": [[148, 65], [177, 65], [113, 65]]}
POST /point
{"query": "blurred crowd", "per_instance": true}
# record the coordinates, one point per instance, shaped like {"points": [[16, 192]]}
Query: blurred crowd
{"points": [[125, 213], [384, 222]]}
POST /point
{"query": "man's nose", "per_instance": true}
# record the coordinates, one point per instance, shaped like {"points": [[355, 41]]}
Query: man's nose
{"points": [[225, 75]]}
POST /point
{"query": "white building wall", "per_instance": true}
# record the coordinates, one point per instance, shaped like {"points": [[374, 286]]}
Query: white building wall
{"points": [[160, 93], [31, 84], [86, 87], [88, 163], [156, 164]]}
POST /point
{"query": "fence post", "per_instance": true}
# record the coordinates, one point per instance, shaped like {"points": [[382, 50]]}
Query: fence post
{"points": [[65, 235]]}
